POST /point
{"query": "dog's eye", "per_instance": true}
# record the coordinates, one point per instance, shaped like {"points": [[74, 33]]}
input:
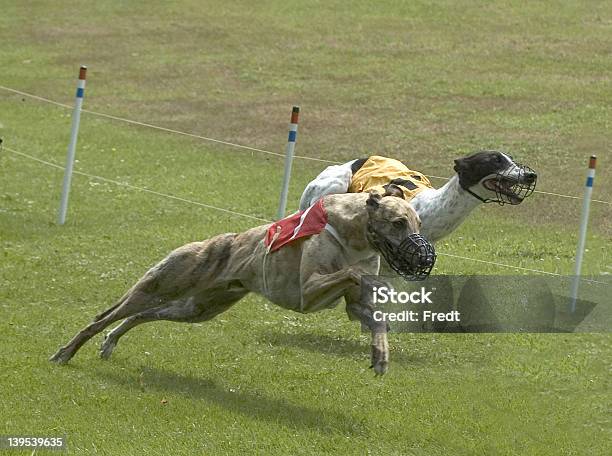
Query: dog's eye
{"points": [[399, 224]]}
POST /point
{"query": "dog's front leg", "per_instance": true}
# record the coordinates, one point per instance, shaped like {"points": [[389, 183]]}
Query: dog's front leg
{"points": [[321, 290], [357, 309]]}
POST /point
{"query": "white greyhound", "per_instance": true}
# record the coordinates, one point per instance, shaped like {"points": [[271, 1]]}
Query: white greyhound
{"points": [[486, 176]]}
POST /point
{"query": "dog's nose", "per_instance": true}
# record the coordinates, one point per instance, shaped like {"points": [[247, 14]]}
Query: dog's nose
{"points": [[530, 176], [427, 261]]}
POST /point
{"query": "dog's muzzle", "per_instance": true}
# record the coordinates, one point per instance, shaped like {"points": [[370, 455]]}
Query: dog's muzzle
{"points": [[413, 258], [510, 188]]}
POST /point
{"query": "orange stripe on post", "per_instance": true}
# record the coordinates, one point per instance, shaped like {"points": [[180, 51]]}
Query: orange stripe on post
{"points": [[83, 72], [295, 114], [592, 162]]}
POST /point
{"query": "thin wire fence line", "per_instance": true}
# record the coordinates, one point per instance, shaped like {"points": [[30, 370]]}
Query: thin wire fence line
{"points": [[547, 193], [240, 146], [36, 97], [165, 129], [208, 206], [134, 187], [516, 267]]}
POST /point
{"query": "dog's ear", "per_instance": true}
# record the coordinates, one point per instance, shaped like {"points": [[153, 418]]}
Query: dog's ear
{"points": [[373, 201], [460, 165], [393, 190]]}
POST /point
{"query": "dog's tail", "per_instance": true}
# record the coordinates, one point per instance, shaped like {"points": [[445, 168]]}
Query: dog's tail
{"points": [[107, 312], [111, 309]]}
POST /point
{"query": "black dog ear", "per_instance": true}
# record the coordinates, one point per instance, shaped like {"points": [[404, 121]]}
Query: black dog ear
{"points": [[373, 201], [393, 190], [459, 165]]}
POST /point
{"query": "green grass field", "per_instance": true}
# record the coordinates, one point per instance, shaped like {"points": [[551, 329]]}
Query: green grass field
{"points": [[423, 82]]}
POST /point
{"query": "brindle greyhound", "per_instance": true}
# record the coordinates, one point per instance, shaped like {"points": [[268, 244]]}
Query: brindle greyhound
{"points": [[200, 280]]}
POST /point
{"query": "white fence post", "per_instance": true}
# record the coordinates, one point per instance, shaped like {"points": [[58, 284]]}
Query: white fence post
{"points": [[586, 202], [293, 126], [76, 118]]}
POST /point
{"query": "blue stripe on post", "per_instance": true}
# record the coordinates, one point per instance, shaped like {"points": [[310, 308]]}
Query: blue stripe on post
{"points": [[589, 182], [80, 92], [292, 136]]}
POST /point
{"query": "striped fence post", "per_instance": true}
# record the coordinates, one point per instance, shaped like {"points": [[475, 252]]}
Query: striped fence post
{"points": [[586, 203], [76, 118], [293, 126]]}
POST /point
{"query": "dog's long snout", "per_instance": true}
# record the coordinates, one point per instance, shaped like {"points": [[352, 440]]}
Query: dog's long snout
{"points": [[422, 255]]}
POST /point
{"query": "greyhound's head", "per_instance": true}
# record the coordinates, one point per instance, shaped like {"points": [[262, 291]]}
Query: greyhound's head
{"points": [[392, 229], [493, 176]]}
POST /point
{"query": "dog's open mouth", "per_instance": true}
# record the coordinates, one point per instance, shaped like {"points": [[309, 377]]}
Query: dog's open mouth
{"points": [[507, 190]]}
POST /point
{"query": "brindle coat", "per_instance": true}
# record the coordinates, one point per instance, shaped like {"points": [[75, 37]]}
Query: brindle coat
{"points": [[202, 279]]}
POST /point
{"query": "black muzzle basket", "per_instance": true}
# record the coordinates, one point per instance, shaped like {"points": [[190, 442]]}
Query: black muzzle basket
{"points": [[512, 190], [413, 258]]}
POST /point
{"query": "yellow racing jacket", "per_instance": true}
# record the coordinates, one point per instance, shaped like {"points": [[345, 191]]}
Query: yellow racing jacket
{"points": [[378, 172]]}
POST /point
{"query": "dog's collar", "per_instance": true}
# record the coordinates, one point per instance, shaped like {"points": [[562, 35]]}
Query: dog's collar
{"points": [[477, 196]]}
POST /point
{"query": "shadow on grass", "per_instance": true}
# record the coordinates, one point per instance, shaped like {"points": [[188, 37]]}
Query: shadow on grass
{"points": [[332, 345], [254, 404]]}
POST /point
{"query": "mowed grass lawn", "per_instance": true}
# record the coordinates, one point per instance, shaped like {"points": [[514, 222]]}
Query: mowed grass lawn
{"points": [[423, 82]]}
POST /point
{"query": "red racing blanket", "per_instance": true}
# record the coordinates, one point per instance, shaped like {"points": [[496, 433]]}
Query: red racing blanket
{"points": [[301, 224]]}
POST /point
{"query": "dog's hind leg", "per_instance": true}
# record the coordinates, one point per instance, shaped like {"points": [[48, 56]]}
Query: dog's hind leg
{"points": [[174, 277], [66, 352], [179, 312], [131, 303]]}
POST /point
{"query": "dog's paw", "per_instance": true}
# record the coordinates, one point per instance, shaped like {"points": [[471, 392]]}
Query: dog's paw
{"points": [[62, 356], [380, 354], [380, 368], [106, 349]]}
